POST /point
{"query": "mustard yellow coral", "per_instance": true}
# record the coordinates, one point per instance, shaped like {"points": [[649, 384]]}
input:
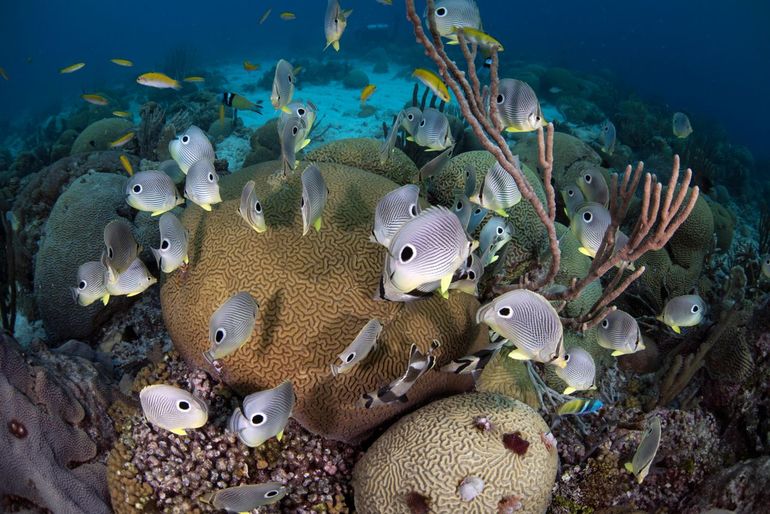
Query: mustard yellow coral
{"points": [[363, 153]]}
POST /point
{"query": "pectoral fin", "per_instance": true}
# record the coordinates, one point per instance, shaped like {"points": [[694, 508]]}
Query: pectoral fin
{"points": [[676, 329], [445, 281], [157, 213], [629, 467], [519, 355], [617, 353], [178, 431], [585, 251], [409, 138], [279, 435], [304, 144], [502, 213], [569, 390], [105, 299], [186, 260], [336, 46], [317, 225], [206, 207], [286, 109]]}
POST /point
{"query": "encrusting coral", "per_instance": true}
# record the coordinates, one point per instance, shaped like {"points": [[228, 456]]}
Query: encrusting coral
{"points": [[100, 134]]}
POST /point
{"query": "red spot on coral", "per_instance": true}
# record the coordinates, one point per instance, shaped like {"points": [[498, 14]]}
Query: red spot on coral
{"points": [[509, 504], [18, 429], [417, 503], [515, 443], [482, 423]]}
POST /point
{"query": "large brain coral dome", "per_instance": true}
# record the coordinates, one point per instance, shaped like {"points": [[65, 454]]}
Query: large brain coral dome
{"points": [[315, 294]]}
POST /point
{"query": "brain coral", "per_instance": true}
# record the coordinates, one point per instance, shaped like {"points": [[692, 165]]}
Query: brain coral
{"points": [[363, 153], [99, 135], [431, 451], [568, 151], [315, 295]]}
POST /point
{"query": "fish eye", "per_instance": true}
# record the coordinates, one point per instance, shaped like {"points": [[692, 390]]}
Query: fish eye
{"points": [[185, 139], [566, 357], [211, 177], [459, 205], [694, 309], [137, 188], [301, 111], [271, 493], [258, 419], [258, 207], [422, 123], [219, 335], [350, 357], [441, 12], [472, 275], [410, 117], [588, 178], [505, 312], [413, 210], [587, 217], [605, 323], [183, 405], [165, 244], [570, 192], [500, 99], [407, 253], [500, 231], [82, 285], [294, 130]]}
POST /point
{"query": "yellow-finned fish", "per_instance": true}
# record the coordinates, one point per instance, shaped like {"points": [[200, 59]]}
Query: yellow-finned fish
{"points": [[122, 140], [72, 68], [249, 66], [194, 78], [433, 82], [172, 408], [681, 125], [482, 39], [334, 23], [3, 74], [121, 114], [237, 101], [95, 99], [367, 92], [127, 165], [264, 16], [158, 80], [122, 62], [288, 15], [646, 451]]}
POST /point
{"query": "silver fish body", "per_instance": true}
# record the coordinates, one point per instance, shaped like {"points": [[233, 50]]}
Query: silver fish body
{"points": [[392, 211], [498, 190], [681, 125], [314, 195], [467, 276], [390, 293], [307, 112], [573, 199], [436, 165], [589, 224], [172, 408], [202, 184], [357, 351], [265, 414], [131, 282], [190, 147], [683, 311], [495, 231], [477, 216], [646, 451], [251, 209], [247, 497], [419, 364], [463, 208], [173, 243], [580, 372], [766, 266], [411, 120], [91, 285], [453, 14], [335, 21], [620, 333], [433, 131], [293, 139], [594, 187], [283, 85], [518, 108], [387, 146], [231, 325], [152, 191], [607, 137], [121, 248]]}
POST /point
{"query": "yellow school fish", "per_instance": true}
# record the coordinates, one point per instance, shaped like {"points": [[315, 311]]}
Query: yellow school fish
{"points": [[482, 39], [94, 99], [122, 140], [194, 78], [122, 62], [367, 92], [158, 80], [72, 68], [127, 165], [121, 114], [249, 66], [288, 15], [433, 82]]}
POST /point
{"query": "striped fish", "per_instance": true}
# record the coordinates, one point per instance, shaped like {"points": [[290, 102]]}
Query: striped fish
{"points": [[433, 131], [645, 453], [498, 190], [314, 195], [419, 364], [393, 211], [518, 109], [580, 406], [231, 325]]}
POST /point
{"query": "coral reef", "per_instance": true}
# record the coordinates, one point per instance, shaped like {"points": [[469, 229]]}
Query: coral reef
{"points": [[432, 451], [571, 156], [355, 79], [99, 135]]}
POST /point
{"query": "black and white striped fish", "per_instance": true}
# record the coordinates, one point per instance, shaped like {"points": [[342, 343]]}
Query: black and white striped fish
{"points": [[419, 364]]}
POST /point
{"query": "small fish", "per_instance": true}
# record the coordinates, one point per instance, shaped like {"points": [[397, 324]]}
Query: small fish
{"points": [[122, 140], [462, 207], [607, 137], [202, 184], [265, 414], [433, 82], [247, 497], [239, 102], [172, 408], [152, 191], [190, 147], [288, 15], [528, 321], [158, 80], [4, 74], [297, 70], [94, 99], [231, 325], [90, 283], [518, 108], [194, 79], [122, 62], [477, 216], [470, 180], [580, 406], [131, 282], [283, 86], [467, 276], [481, 39], [314, 195], [573, 199], [387, 146], [307, 112], [594, 187], [474, 363], [72, 68], [498, 190], [683, 311], [126, 165], [357, 351], [580, 371], [411, 120], [419, 364], [620, 333], [433, 131], [589, 224], [249, 66], [495, 234], [173, 243], [264, 16], [681, 125], [428, 248], [251, 208], [453, 14], [121, 114], [436, 165], [292, 138], [646, 451], [392, 211], [335, 21], [121, 246], [766, 266], [367, 92], [385, 2]]}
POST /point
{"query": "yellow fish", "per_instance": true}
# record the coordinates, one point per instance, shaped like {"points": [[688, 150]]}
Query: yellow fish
{"points": [[264, 16], [94, 99], [194, 78], [3, 74], [288, 15], [122, 140], [122, 62], [248, 66], [367, 92], [72, 68], [121, 114], [159, 80], [127, 165], [433, 82], [482, 39]]}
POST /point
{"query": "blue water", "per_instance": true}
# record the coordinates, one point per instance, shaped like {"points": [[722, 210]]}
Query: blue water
{"points": [[708, 59]]}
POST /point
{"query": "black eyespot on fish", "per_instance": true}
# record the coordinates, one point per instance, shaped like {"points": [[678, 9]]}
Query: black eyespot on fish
{"points": [[587, 217], [290, 78], [350, 357], [477, 211], [407, 253], [505, 312], [137, 188], [471, 275], [183, 405], [185, 139], [258, 207], [459, 205], [211, 177], [422, 123], [82, 285], [566, 357], [441, 12], [588, 178], [499, 231], [694, 309], [570, 192], [605, 323], [165, 244], [257, 419], [410, 116], [271, 493], [301, 111], [413, 210], [219, 335], [294, 130], [500, 99]]}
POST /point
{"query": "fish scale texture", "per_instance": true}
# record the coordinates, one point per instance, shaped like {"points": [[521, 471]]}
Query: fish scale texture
{"points": [[314, 294], [433, 449]]}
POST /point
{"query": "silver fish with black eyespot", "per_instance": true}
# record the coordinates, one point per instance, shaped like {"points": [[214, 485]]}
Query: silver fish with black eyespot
{"points": [[390, 293], [314, 195], [477, 216], [683, 311], [91, 285], [498, 190], [462, 207], [411, 120], [470, 180], [307, 112], [131, 282], [173, 244], [202, 185], [607, 137], [283, 86], [518, 109], [589, 224], [495, 234], [392, 211], [580, 371], [453, 14], [436, 165], [681, 125], [357, 351], [293, 139], [247, 497], [190, 147], [528, 321], [428, 248], [433, 131], [419, 364], [573, 199], [467, 276], [265, 414], [620, 333], [387, 146], [152, 191], [335, 21], [251, 209], [231, 325], [121, 248], [594, 187], [172, 408], [645, 453]]}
